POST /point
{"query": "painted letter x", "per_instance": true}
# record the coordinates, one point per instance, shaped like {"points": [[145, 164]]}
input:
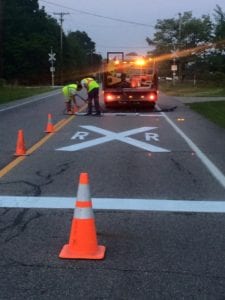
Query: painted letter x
{"points": [[110, 136]]}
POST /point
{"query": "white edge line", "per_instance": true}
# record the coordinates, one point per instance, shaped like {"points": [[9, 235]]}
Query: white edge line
{"points": [[217, 174], [132, 114], [28, 102], [195, 206]]}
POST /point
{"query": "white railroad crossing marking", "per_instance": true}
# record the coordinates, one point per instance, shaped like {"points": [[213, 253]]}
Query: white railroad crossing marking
{"points": [[111, 136], [151, 136]]}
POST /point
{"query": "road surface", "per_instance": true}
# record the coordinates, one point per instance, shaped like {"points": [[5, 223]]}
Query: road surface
{"points": [[158, 190]]}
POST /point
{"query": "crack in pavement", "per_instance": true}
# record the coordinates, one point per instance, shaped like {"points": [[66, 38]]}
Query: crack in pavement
{"points": [[19, 224], [181, 168], [28, 188]]}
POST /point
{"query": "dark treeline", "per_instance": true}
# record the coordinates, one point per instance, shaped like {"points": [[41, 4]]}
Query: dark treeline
{"points": [[27, 35]]}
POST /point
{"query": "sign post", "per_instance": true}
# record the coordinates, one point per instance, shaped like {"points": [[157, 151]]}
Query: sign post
{"points": [[174, 70], [52, 68]]}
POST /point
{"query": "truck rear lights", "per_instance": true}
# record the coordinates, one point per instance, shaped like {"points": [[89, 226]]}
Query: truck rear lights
{"points": [[152, 97], [111, 97]]}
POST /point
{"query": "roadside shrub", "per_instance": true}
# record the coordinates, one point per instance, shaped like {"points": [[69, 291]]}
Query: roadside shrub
{"points": [[218, 78], [2, 82]]}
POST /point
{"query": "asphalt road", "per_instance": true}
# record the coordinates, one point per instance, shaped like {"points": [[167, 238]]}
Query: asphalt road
{"points": [[139, 156]]}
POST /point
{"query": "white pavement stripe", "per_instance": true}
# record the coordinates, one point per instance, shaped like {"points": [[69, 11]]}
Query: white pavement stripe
{"points": [[116, 204], [216, 173], [132, 114], [28, 102]]}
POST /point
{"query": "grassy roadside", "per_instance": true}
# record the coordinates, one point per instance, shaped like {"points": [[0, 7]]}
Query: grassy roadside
{"points": [[189, 90], [11, 93], [212, 110]]}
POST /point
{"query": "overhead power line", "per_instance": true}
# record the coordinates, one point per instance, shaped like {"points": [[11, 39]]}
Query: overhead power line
{"points": [[98, 15]]}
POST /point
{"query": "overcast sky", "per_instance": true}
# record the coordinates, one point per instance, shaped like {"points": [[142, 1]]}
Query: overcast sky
{"points": [[111, 35]]}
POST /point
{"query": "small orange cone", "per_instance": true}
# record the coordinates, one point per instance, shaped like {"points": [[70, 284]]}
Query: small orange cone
{"points": [[50, 126], [75, 109], [83, 240], [20, 145]]}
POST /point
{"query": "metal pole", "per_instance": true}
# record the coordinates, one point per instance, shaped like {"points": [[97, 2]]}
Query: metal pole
{"points": [[179, 35], [61, 14], [179, 46], [52, 68], [174, 62], [1, 39], [53, 83]]}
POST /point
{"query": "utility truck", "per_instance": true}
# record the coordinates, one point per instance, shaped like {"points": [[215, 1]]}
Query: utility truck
{"points": [[129, 80]]}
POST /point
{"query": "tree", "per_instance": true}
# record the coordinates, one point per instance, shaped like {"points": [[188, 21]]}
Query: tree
{"points": [[176, 38], [29, 35], [217, 59], [220, 23], [80, 55]]}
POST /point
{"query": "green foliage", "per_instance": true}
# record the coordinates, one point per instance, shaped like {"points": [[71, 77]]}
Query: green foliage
{"points": [[29, 35], [218, 78], [186, 33], [2, 82], [220, 23]]}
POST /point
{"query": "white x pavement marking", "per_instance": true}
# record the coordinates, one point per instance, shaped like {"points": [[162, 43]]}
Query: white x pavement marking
{"points": [[110, 136]]}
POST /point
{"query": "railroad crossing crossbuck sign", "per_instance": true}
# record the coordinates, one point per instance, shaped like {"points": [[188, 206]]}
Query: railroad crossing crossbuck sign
{"points": [[118, 136], [51, 57]]}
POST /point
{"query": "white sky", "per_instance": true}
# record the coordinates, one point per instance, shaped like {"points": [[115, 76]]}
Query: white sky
{"points": [[110, 35]]}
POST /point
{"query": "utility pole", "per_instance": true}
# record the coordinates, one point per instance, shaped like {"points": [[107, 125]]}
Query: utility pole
{"points": [[179, 46], [179, 29], [1, 39], [61, 14]]}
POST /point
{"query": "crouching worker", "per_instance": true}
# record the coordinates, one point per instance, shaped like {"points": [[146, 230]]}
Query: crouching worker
{"points": [[69, 91]]}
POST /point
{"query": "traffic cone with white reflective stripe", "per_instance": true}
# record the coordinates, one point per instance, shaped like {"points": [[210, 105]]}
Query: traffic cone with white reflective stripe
{"points": [[83, 240]]}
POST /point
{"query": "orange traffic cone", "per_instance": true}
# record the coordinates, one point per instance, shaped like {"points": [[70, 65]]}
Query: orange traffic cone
{"points": [[75, 109], [83, 240], [50, 126], [20, 145]]}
